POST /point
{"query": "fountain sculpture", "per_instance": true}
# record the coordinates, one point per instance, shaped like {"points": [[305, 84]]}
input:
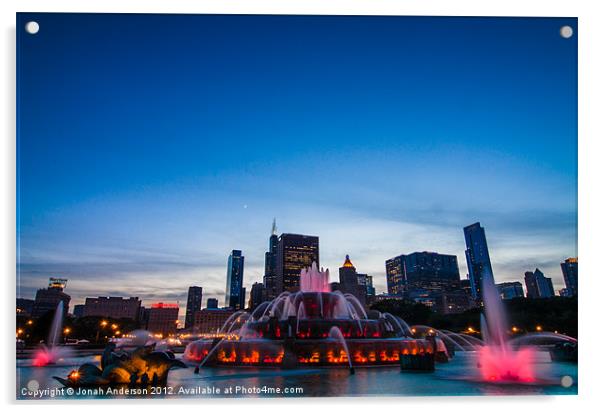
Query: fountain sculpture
{"points": [[314, 326], [138, 366]]}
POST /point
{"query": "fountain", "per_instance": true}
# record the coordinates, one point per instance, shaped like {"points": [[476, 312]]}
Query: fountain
{"points": [[497, 359], [51, 352], [313, 326]]}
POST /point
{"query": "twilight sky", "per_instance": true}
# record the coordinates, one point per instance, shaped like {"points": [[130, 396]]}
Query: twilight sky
{"points": [[150, 146]]}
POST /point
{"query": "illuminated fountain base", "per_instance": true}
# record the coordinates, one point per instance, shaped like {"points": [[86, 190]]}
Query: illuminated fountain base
{"points": [[293, 353], [314, 327]]}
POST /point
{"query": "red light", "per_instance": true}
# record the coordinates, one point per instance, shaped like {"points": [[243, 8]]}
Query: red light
{"points": [[164, 305]]}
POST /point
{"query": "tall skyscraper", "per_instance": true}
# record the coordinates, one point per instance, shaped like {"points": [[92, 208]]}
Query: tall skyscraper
{"points": [[477, 259], [235, 297], [569, 272], [349, 281], [193, 304], [271, 258], [395, 275], [294, 252], [429, 271], [538, 285]]}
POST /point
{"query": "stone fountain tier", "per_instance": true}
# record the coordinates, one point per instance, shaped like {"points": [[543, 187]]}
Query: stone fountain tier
{"points": [[313, 326], [292, 353]]}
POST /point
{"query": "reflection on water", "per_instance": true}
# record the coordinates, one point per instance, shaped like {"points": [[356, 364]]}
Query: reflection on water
{"points": [[454, 378]]}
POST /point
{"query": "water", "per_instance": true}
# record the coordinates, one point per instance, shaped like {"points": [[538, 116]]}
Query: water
{"points": [[459, 377], [51, 352]]}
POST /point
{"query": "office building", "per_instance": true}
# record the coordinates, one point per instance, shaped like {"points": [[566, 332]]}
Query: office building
{"points": [[395, 276], [569, 272], [112, 307], [212, 303], [257, 295], [365, 280], [193, 304], [538, 285], [294, 252], [235, 296], [510, 290], [477, 259], [143, 315], [163, 319], [453, 302], [210, 321], [429, 271], [47, 299]]}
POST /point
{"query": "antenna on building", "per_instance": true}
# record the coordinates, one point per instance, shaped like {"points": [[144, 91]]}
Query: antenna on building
{"points": [[274, 229]]}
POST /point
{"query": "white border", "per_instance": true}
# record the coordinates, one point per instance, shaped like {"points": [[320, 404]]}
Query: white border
{"points": [[590, 133]]}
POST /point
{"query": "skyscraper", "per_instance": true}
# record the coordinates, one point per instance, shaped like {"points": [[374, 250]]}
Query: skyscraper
{"points": [[235, 297], [538, 285], [429, 271], [294, 252], [193, 304], [477, 259], [569, 272], [349, 281], [271, 256], [395, 275]]}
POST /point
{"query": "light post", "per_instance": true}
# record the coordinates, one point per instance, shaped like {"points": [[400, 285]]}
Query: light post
{"points": [[103, 324]]}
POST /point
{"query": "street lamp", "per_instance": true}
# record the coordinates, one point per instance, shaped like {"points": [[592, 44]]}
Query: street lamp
{"points": [[103, 324]]}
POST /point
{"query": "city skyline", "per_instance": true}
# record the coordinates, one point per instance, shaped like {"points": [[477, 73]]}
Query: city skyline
{"points": [[383, 136], [224, 300]]}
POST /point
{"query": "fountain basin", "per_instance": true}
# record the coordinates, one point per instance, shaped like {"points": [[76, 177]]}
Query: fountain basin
{"points": [[315, 352]]}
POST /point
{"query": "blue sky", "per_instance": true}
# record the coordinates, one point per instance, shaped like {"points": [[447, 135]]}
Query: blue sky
{"points": [[150, 146]]}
